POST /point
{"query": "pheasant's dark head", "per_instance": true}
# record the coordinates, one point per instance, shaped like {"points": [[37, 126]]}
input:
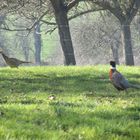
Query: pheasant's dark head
{"points": [[113, 64]]}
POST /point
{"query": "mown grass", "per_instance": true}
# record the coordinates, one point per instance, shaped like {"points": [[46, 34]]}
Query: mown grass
{"points": [[87, 107]]}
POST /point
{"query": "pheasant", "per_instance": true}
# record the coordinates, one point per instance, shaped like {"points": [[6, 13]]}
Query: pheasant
{"points": [[12, 62], [118, 80]]}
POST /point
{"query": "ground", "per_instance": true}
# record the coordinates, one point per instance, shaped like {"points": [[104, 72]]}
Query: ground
{"points": [[86, 106]]}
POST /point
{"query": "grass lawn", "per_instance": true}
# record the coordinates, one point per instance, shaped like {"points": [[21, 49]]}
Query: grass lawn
{"points": [[86, 107]]}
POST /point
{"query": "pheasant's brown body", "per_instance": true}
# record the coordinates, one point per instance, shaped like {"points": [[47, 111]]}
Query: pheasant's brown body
{"points": [[118, 80], [12, 62]]}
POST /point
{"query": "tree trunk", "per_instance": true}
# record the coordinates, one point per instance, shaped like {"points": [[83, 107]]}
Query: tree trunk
{"points": [[25, 47], [115, 48], [64, 31], [37, 42], [127, 44], [2, 40]]}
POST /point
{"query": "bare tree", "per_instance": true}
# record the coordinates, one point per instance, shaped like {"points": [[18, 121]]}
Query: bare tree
{"points": [[95, 39], [38, 9], [2, 20], [37, 42], [124, 11], [60, 11]]}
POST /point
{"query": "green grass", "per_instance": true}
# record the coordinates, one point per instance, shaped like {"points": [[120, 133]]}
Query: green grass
{"points": [[87, 107]]}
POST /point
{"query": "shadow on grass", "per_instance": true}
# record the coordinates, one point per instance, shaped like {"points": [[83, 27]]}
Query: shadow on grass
{"points": [[85, 83], [53, 83]]}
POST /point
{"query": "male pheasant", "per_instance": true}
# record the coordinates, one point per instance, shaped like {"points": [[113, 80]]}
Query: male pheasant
{"points": [[12, 62], [118, 80]]}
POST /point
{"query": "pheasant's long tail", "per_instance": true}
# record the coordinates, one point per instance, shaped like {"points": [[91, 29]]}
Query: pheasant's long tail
{"points": [[135, 86]]}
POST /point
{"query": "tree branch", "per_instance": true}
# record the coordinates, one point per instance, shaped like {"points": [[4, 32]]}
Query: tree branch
{"points": [[84, 12], [117, 6], [105, 4], [29, 29], [114, 10], [72, 4], [132, 11], [51, 30], [47, 22]]}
